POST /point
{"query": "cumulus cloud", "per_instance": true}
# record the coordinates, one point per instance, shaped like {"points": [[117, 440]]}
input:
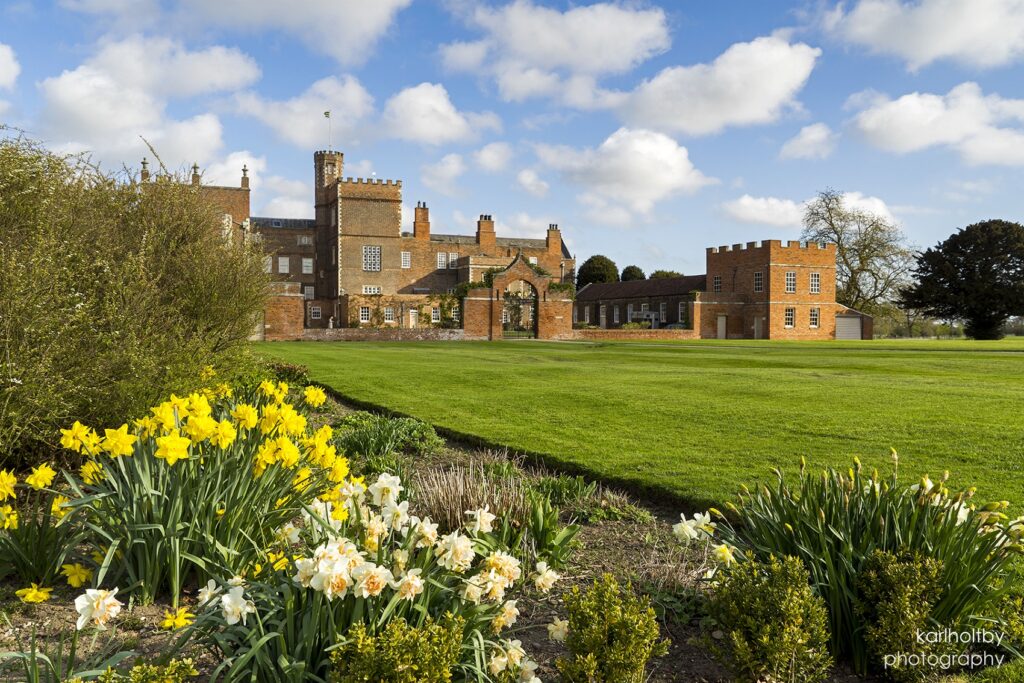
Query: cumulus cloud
{"points": [[749, 83], [628, 173], [982, 129], [119, 96], [522, 224], [300, 120], [978, 33], [493, 157], [9, 67], [816, 141], [287, 198], [786, 213], [534, 51], [425, 113], [532, 183], [443, 176]]}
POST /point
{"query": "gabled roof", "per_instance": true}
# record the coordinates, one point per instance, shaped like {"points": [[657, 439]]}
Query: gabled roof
{"points": [[667, 286]]}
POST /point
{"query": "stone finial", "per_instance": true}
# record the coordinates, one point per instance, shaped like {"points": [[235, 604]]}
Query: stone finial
{"points": [[195, 174], [145, 169], [245, 176]]}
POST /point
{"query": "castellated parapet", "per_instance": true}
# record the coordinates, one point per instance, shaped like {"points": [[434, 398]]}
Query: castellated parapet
{"points": [[370, 188]]}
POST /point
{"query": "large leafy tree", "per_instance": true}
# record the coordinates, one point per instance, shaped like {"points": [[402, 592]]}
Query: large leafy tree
{"points": [[597, 268], [976, 275], [873, 260], [632, 273], [662, 274]]}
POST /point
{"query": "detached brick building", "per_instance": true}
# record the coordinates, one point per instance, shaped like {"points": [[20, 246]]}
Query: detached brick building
{"points": [[761, 290]]}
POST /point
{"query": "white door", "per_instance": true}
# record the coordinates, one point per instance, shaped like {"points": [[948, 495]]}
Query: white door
{"points": [[758, 327], [414, 318], [721, 326], [848, 327]]}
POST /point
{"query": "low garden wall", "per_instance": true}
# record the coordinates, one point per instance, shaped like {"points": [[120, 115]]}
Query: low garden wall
{"points": [[634, 335], [386, 334]]}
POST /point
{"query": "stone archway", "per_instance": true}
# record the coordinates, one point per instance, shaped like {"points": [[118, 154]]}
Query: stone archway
{"points": [[519, 312]]}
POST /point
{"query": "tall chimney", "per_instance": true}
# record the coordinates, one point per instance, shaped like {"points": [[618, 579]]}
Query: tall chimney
{"points": [[421, 223], [245, 176], [145, 170], [554, 239], [195, 174], [485, 236]]}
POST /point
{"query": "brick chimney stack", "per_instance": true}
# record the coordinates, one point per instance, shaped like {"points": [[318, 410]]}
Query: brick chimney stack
{"points": [[421, 222], [485, 236], [245, 176], [195, 174], [554, 239]]}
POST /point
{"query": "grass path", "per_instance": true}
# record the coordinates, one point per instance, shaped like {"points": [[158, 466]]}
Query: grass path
{"points": [[695, 420]]}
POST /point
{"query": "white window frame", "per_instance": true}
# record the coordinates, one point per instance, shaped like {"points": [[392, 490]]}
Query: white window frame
{"points": [[305, 241], [314, 313], [456, 313], [371, 289], [759, 281], [268, 264], [406, 259], [308, 291], [663, 311], [615, 314], [435, 314], [790, 318], [603, 314], [681, 315], [442, 260], [586, 314], [371, 258], [790, 282], [716, 283], [645, 308], [389, 314], [815, 318], [532, 260], [504, 316], [364, 314], [629, 313], [815, 283], [453, 259], [284, 265], [307, 265]]}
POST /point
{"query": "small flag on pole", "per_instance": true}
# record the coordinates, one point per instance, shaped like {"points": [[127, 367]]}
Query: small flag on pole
{"points": [[327, 114]]}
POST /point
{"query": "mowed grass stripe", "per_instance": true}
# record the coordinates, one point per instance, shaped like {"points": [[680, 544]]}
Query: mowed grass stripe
{"points": [[695, 420]]}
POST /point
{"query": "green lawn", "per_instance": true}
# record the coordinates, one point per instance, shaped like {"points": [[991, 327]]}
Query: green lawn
{"points": [[696, 419]]}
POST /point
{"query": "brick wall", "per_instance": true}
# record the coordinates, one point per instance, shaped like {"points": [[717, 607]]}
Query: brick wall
{"points": [[391, 334], [284, 313], [634, 335]]}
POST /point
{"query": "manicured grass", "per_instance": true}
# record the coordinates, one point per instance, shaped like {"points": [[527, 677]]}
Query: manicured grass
{"points": [[696, 419]]}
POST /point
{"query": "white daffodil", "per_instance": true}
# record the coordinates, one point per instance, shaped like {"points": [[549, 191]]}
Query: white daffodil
{"points": [[546, 577], [97, 607], [528, 672], [208, 594], [498, 663], [724, 554], [558, 630], [371, 580], [504, 564], [410, 585], [396, 516], [305, 570], [482, 521], [472, 591], [426, 531], [515, 652], [685, 531], [506, 617], [386, 488], [235, 607], [455, 552]]}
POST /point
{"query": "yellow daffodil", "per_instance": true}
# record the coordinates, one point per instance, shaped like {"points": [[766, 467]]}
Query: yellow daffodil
{"points": [[268, 388], [266, 455], [279, 503], [77, 575], [71, 439], [224, 435], [198, 405], [269, 419], [221, 511], [7, 482], [314, 396], [57, 508], [91, 443], [34, 594], [172, 447], [208, 372], [303, 479], [165, 417], [118, 441], [245, 415], [281, 393], [199, 428], [724, 554], [147, 426], [292, 423], [287, 452], [8, 517], [223, 390], [91, 472], [278, 561], [339, 470], [41, 477], [339, 513], [179, 618], [180, 404]]}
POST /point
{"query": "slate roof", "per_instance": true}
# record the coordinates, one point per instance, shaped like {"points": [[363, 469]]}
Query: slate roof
{"points": [[669, 286]]}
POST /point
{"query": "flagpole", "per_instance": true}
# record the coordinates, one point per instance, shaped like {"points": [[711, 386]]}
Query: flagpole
{"points": [[330, 136]]}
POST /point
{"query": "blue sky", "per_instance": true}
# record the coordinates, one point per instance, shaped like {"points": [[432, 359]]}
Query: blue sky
{"points": [[646, 130]]}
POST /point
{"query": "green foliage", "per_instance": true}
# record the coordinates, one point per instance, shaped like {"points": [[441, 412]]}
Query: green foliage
{"points": [[897, 596], [562, 287], [57, 659], [775, 627], [612, 635], [400, 653], [44, 537], [367, 434], [975, 275], [176, 671], [664, 274], [290, 373], [641, 325], [597, 268], [1008, 673], [587, 502], [141, 292], [630, 273], [565, 490], [836, 521]]}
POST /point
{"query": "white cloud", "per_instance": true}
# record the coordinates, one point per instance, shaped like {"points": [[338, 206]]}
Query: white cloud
{"points": [[288, 198], [534, 51], [522, 224], [749, 83], [9, 67], [119, 96], [532, 183], [786, 213], [424, 113], [978, 33], [443, 175], [493, 157], [816, 141], [228, 171], [300, 120], [628, 173], [964, 119]]}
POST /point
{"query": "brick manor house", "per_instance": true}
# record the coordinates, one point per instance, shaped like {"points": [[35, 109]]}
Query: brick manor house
{"points": [[352, 266]]}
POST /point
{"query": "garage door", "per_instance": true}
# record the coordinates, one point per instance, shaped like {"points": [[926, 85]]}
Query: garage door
{"points": [[848, 327]]}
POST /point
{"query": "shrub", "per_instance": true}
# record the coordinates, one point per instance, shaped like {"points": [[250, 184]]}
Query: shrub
{"points": [[897, 596], [142, 292], [400, 653], [643, 325], [176, 671], [775, 627], [290, 373], [835, 522], [368, 435], [612, 635]]}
